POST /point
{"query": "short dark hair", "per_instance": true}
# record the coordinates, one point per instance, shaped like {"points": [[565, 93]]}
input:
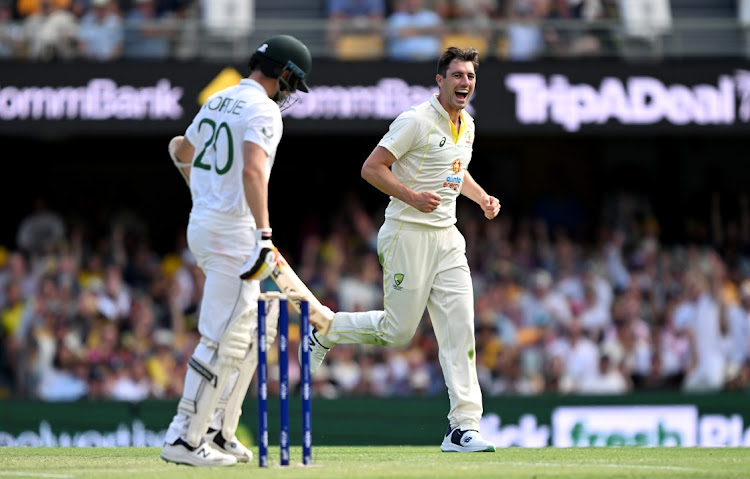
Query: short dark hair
{"points": [[452, 53]]}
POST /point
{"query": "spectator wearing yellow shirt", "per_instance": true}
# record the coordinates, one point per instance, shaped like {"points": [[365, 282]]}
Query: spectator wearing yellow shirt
{"points": [[29, 7]]}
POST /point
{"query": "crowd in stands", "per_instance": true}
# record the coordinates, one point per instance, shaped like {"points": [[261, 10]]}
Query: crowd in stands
{"points": [[94, 30], [401, 30], [91, 310]]}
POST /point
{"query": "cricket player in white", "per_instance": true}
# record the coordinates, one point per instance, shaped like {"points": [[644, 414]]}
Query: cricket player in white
{"points": [[422, 164], [226, 156]]}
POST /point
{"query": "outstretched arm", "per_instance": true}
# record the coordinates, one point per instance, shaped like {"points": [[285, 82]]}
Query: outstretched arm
{"points": [[471, 189], [376, 170]]}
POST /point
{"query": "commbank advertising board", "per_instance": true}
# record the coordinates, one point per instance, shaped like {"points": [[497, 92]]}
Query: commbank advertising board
{"points": [[552, 98]]}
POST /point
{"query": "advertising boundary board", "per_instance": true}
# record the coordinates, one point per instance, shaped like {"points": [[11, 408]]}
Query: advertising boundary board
{"points": [[558, 98], [658, 419]]}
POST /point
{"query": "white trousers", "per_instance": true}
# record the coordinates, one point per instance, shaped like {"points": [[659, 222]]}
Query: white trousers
{"points": [[220, 245], [424, 267]]}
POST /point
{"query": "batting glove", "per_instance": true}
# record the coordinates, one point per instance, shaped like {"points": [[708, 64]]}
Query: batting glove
{"points": [[264, 257]]}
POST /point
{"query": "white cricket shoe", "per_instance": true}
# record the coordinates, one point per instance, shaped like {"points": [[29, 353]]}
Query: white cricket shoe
{"points": [[204, 455], [232, 446], [317, 351], [465, 440]]}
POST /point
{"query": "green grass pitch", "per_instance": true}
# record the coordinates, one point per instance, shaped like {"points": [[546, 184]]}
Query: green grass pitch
{"points": [[390, 462]]}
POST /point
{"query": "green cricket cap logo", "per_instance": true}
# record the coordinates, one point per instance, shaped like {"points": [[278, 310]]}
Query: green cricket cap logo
{"points": [[398, 278]]}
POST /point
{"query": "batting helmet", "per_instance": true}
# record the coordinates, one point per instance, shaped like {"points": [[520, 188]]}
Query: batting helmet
{"points": [[284, 52]]}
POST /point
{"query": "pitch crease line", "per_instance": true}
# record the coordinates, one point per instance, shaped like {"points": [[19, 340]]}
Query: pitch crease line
{"points": [[33, 474]]}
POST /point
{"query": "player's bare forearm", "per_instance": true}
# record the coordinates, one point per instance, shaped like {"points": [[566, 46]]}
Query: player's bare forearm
{"points": [[376, 171], [256, 184], [471, 189], [381, 177]]}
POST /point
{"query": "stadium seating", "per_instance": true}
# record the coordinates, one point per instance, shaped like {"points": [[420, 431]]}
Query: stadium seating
{"points": [[360, 46]]}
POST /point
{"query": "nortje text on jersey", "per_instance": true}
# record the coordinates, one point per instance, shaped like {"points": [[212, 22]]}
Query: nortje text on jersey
{"points": [[222, 104]]}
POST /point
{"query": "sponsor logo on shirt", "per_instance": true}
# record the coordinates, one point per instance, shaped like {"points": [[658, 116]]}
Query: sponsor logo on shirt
{"points": [[456, 165], [452, 182]]}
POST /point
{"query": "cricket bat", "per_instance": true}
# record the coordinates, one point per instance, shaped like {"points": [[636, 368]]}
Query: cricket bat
{"points": [[290, 284]]}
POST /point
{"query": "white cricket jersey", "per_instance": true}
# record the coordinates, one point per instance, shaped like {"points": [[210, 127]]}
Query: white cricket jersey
{"points": [[430, 155], [230, 117]]}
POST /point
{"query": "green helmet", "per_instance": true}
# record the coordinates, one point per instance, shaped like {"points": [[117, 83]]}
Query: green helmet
{"points": [[281, 52]]}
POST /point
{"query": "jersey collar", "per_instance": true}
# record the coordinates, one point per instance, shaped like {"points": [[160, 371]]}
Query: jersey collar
{"points": [[455, 133], [252, 83]]}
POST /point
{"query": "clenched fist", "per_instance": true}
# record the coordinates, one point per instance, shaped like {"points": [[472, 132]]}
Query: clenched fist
{"points": [[490, 206]]}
